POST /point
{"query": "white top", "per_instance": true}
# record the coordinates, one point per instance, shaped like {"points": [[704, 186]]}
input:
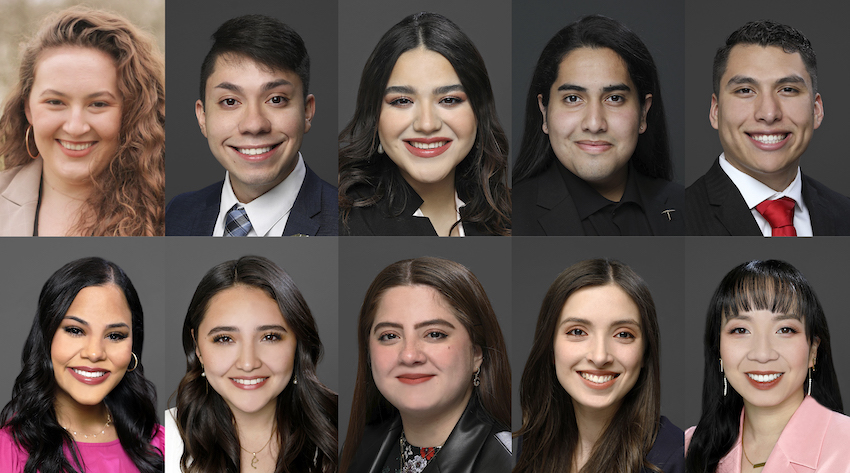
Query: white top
{"points": [[756, 192], [269, 212], [458, 204], [173, 442]]}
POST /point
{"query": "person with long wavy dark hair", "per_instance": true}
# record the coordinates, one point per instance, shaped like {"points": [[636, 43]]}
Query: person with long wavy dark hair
{"points": [[82, 134], [432, 371], [81, 402], [770, 397], [591, 390], [250, 399], [424, 153], [594, 158]]}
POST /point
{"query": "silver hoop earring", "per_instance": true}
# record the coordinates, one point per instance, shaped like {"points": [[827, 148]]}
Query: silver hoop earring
{"points": [[476, 381], [136, 365], [380, 148]]}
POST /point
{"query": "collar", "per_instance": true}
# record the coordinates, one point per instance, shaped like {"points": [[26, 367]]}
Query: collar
{"points": [[755, 192], [267, 210], [588, 201], [23, 189], [458, 204]]}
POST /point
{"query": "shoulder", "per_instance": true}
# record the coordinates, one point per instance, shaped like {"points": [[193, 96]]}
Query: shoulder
{"points": [[174, 447], [158, 440], [689, 434], [27, 176], [668, 451], [12, 457], [187, 200], [832, 197]]}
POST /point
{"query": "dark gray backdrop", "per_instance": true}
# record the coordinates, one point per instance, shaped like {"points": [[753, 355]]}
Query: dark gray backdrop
{"points": [[487, 23], [658, 260], [190, 165], [29, 262], [310, 262], [362, 258], [659, 24], [708, 25]]}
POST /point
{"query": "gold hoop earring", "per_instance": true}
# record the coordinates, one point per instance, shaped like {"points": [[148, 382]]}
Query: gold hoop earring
{"points": [[27, 143], [136, 365]]}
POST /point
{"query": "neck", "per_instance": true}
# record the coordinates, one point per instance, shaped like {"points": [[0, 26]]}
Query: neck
{"points": [[80, 417], [255, 429], [591, 425], [614, 187], [438, 202], [763, 425], [67, 191], [430, 430]]}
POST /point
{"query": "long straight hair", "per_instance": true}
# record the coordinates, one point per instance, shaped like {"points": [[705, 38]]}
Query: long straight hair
{"points": [[305, 413], [481, 179], [463, 293], [31, 417], [756, 285], [549, 429]]}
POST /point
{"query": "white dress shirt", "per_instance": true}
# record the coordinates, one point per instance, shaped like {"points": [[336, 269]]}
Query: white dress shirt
{"points": [[756, 192]]}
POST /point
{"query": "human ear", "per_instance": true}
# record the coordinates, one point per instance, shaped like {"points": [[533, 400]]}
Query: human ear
{"points": [[818, 110], [647, 103], [309, 111], [542, 112], [813, 353], [712, 111], [202, 119]]}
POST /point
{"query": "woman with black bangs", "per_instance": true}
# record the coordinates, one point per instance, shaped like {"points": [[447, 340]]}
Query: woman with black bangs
{"points": [[770, 401], [81, 402], [424, 153]]}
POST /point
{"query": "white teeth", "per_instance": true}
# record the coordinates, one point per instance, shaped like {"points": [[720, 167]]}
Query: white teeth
{"points": [[76, 146], [764, 378], [249, 382], [597, 379], [420, 145], [89, 374], [254, 151], [769, 139]]}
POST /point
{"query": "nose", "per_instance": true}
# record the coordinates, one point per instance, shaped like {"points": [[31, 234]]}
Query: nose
{"points": [[248, 359], [411, 353], [76, 124], [94, 350], [762, 349], [594, 118], [254, 120], [599, 354], [427, 119], [768, 108]]}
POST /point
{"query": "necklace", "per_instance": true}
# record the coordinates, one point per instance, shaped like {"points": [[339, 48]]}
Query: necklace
{"points": [[756, 465], [102, 432], [256, 460]]}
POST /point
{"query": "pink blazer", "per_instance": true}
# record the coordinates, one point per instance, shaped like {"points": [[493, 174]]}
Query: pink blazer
{"points": [[816, 439], [19, 198]]}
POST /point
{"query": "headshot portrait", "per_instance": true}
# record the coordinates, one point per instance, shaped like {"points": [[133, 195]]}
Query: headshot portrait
{"points": [[255, 108], [424, 152], [82, 139], [771, 80]]}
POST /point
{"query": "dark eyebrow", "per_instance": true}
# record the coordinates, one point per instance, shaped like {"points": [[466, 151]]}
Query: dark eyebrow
{"points": [[222, 329], [102, 93], [275, 84], [795, 79], [615, 87], [576, 320], [229, 86], [417, 326], [83, 322], [399, 89], [264, 328], [741, 80], [588, 322], [574, 87], [406, 89], [448, 88]]}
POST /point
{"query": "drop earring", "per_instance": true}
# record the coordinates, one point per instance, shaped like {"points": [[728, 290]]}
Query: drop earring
{"points": [[476, 381], [295, 380], [724, 379], [380, 148]]}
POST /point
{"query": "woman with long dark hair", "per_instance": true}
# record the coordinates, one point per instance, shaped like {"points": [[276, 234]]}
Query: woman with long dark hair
{"points": [[81, 402], [591, 390], [770, 396], [433, 379], [82, 132], [594, 158], [250, 399], [424, 153]]}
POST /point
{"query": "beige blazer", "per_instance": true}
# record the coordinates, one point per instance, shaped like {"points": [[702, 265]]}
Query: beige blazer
{"points": [[19, 198]]}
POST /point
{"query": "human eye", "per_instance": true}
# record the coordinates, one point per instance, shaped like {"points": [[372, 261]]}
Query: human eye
{"points": [[272, 337], [54, 102], [738, 331], [400, 102], [744, 91], [616, 99], [387, 337], [116, 336], [452, 100], [576, 332], [222, 339], [74, 331], [228, 102], [279, 100], [787, 331], [436, 335], [625, 334], [571, 99]]}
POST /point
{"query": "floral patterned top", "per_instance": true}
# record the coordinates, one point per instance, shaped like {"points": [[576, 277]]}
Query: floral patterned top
{"points": [[410, 459]]}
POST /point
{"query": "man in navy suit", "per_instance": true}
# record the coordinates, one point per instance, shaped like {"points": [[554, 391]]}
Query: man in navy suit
{"points": [[765, 107], [254, 111]]}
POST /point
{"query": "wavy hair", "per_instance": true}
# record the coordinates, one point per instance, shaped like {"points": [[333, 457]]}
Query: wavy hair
{"points": [[31, 417], [465, 296], [756, 285], [652, 153], [129, 194], [305, 413], [549, 429], [480, 179]]}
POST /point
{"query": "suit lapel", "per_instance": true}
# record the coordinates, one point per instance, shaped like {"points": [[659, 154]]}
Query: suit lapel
{"points": [[307, 205], [728, 203], [819, 214], [664, 217], [561, 217]]}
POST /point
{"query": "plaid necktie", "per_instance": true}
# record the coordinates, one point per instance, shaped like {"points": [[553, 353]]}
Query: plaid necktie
{"points": [[236, 222]]}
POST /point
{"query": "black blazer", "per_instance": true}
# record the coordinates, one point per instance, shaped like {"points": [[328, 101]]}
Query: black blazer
{"points": [[313, 213], [715, 206], [472, 447], [542, 205]]}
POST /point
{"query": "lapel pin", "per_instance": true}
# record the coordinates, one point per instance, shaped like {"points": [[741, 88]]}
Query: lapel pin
{"points": [[668, 212]]}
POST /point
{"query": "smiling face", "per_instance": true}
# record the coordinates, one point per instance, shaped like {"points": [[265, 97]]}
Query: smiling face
{"points": [[426, 124], [598, 347], [91, 350], [74, 108], [594, 116], [247, 349], [765, 112], [422, 357], [766, 358], [254, 120]]}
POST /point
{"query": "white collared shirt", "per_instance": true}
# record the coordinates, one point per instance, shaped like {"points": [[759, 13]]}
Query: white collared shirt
{"points": [[458, 204], [269, 212], [756, 192]]}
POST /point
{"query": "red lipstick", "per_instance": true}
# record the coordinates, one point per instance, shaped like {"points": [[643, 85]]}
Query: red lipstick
{"points": [[415, 378], [87, 380], [764, 385], [430, 152]]}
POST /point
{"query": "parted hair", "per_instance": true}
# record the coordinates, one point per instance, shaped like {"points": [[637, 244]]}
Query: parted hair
{"points": [[129, 194], [305, 414], [31, 417], [549, 430]]}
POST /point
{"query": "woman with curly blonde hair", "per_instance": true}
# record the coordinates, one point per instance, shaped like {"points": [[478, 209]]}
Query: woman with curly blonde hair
{"points": [[82, 134]]}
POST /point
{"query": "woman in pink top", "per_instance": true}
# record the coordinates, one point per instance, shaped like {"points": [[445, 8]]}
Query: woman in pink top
{"points": [[81, 402], [771, 401]]}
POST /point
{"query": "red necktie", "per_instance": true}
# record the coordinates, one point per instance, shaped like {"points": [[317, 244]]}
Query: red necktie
{"points": [[780, 214]]}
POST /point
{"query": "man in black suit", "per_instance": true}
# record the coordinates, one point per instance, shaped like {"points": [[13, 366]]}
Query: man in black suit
{"points": [[254, 111], [765, 107]]}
